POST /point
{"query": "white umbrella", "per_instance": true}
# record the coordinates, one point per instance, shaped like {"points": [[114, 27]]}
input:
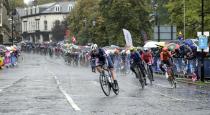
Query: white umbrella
{"points": [[151, 44]]}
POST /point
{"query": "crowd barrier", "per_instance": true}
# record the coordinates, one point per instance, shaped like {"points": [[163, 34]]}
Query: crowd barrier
{"points": [[182, 68], [187, 68]]}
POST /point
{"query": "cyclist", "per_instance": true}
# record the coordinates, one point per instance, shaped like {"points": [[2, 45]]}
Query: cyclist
{"points": [[135, 59], [165, 57], [103, 58], [148, 59]]}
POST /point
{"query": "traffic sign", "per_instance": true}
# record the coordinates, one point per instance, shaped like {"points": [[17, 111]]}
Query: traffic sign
{"points": [[203, 42], [205, 33]]}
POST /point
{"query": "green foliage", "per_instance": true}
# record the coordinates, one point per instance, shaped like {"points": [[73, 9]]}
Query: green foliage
{"points": [[58, 31], [192, 15], [111, 17]]}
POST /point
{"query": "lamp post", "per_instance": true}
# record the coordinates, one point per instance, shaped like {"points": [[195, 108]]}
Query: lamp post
{"points": [[12, 28], [13, 13], [184, 19], [85, 24], [202, 32], [94, 24]]}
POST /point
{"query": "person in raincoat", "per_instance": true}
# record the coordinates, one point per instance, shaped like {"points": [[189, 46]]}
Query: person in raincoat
{"points": [[13, 59], [1, 60], [7, 59]]}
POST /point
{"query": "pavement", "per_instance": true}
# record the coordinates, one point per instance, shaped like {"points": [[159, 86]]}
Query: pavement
{"points": [[41, 85]]}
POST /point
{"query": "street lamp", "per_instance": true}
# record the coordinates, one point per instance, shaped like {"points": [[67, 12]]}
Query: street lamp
{"points": [[94, 24], [12, 28], [202, 31]]}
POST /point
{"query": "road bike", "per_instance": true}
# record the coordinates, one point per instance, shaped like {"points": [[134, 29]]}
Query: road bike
{"points": [[107, 83], [140, 75], [149, 72], [170, 75]]}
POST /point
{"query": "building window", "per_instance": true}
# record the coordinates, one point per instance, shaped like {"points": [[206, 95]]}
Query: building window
{"points": [[37, 24], [25, 26], [37, 9], [45, 25], [34, 10], [26, 11], [70, 7], [29, 25], [31, 12], [57, 8]]}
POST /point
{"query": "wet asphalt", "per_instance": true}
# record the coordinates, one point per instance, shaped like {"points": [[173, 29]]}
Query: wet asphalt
{"points": [[41, 85]]}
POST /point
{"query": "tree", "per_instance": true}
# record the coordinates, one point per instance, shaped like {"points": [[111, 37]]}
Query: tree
{"points": [[129, 14], [81, 20], [58, 31], [111, 17], [192, 13]]}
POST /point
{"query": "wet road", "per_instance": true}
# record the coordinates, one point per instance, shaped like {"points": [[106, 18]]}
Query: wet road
{"points": [[41, 85]]}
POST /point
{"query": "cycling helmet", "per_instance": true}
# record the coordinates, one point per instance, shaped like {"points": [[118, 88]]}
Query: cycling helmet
{"points": [[131, 49], [146, 49], [94, 47], [165, 49]]}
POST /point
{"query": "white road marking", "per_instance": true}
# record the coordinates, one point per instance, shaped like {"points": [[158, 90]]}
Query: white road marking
{"points": [[68, 97]]}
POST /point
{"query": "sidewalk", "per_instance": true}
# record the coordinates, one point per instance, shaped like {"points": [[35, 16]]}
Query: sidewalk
{"points": [[186, 80]]}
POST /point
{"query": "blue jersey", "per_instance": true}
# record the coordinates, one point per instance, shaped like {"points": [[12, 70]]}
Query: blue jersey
{"points": [[135, 57]]}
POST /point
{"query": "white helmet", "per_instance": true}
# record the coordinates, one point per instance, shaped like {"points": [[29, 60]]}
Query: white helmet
{"points": [[146, 49], [94, 47]]}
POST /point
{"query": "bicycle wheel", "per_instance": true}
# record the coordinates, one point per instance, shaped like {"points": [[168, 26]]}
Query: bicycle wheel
{"points": [[115, 88], [105, 86], [149, 75], [171, 78], [141, 80]]}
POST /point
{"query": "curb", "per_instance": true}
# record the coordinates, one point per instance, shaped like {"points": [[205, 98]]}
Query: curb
{"points": [[188, 81], [194, 83]]}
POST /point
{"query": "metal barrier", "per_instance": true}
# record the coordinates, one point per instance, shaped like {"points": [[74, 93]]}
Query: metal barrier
{"points": [[182, 68]]}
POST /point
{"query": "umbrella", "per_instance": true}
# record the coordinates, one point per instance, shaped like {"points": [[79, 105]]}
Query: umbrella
{"points": [[188, 42], [151, 44], [173, 46], [161, 44], [2, 47]]}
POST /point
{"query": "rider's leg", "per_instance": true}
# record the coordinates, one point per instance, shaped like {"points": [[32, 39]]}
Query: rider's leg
{"points": [[150, 67], [132, 68], [111, 67], [99, 69], [143, 71], [161, 67]]}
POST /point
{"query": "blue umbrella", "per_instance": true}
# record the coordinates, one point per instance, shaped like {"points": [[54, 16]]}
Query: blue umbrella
{"points": [[188, 42]]}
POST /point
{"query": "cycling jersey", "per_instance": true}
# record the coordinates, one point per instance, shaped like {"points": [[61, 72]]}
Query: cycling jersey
{"points": [[164, 56], [147, 57], [135, 57], [102, 58]]}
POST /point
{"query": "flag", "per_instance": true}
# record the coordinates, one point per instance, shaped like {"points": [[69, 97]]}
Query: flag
{"points": [[128, 38], [73, 39]]}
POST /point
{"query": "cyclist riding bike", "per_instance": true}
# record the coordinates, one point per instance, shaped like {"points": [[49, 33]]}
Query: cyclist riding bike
{"points": [[166, 58], [103, 58], [135, 60], [148, 59]]}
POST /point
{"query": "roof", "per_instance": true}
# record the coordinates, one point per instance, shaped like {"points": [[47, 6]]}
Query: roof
{"points": [[49, 8], [63, 5], [20, 11]]}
